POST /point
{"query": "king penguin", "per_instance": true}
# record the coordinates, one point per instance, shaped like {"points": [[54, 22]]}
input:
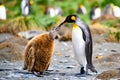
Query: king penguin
{"points": [[81, 9], [2, 12], [25, 7], [95, 12], [82, 43]]}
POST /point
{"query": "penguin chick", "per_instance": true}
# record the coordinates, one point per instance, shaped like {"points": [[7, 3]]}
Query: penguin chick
{"points": [[38, 52]]}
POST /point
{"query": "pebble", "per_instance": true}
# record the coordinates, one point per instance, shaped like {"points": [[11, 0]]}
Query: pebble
{"points": [[113, 51], [5, 61], [30, 34], [56, 78], [63, 61], [67, 56], [70, 67], [5, 36]]}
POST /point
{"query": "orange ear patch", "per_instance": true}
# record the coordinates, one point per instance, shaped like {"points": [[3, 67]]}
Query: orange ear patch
{"points": [[31, 2], [73, 18]]}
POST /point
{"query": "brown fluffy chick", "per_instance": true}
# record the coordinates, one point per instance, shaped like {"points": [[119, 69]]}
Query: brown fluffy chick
{"points": [[38, 52]]}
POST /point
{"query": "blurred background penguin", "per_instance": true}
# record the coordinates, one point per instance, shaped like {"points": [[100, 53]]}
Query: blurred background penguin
{"points": [[2, 12], [25, 7]]}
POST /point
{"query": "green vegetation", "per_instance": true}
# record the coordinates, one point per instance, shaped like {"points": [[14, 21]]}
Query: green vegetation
{"points": [[113, 24], [37, 18], [68, 6]]}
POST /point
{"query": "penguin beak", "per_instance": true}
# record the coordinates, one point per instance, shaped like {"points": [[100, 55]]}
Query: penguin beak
{"points": [[59, 26]]}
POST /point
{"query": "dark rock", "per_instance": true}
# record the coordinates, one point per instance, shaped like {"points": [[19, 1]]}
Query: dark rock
{"points": [[30, 34], [70, 67], [113, 51], [12, 49], [108, 75], [5, 61], [5, 36]]}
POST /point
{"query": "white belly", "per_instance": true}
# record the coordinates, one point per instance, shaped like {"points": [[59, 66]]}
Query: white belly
{"points": [[25, 10], [79, 46], [2, 13]]}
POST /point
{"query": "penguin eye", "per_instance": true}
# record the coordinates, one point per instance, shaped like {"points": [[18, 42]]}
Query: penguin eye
{"points": [[73, 18]]}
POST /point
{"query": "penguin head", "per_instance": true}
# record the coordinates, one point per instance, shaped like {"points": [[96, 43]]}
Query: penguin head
{"points": [[31, 2], [70, 19], [53, 34], [0, 4], [80, 6]]}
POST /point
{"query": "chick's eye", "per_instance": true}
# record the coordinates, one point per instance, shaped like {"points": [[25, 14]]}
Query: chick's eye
{"points": [[73, 18]]}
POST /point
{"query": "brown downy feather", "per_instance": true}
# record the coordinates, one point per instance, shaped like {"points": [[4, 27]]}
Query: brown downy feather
{"points": [[38, 52]]}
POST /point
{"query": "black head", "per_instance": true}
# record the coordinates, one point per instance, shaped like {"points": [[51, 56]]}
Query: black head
{"points": [[0, 3], [70, 19]]}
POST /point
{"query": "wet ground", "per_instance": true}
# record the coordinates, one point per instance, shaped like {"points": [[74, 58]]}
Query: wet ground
{"points": [[106, 56]]}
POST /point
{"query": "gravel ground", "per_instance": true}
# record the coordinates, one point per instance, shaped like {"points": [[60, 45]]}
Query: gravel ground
{"points": [[63, 65]]}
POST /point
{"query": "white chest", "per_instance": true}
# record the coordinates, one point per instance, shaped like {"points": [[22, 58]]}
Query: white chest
{"points": [[25, 9], [2, 13], [79, 45], [77, 38]]}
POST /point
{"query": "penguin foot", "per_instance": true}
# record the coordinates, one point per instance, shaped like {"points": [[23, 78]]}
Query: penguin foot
{"points": [[80, 75], [24, 68], [92, 68], [38, 74]]}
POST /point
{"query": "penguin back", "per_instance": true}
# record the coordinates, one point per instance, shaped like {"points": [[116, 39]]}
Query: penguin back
{"points": [[38, 53]]}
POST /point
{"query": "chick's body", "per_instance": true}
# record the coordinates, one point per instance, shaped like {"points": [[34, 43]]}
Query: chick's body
{"points": [[38, 53]]}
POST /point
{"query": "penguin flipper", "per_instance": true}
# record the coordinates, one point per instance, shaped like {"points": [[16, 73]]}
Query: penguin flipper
{"points": [[31, 59], [88, 52], [88, 49]]}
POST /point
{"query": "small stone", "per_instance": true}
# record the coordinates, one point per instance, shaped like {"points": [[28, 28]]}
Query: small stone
{"points": [[56, 78], [5, 61], [50, 69], [113, 51], [99, 57], [67, 56], [63, 61], [70, 67]]}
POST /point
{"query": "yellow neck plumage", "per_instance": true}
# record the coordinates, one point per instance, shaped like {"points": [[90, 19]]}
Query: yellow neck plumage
{"points": [[75, 26], [31, 2], [1, 6]]}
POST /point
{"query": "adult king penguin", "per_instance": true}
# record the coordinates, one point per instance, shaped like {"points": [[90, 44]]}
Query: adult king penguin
{"points": [[25, 7], [2, 12], [82, 43]]}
